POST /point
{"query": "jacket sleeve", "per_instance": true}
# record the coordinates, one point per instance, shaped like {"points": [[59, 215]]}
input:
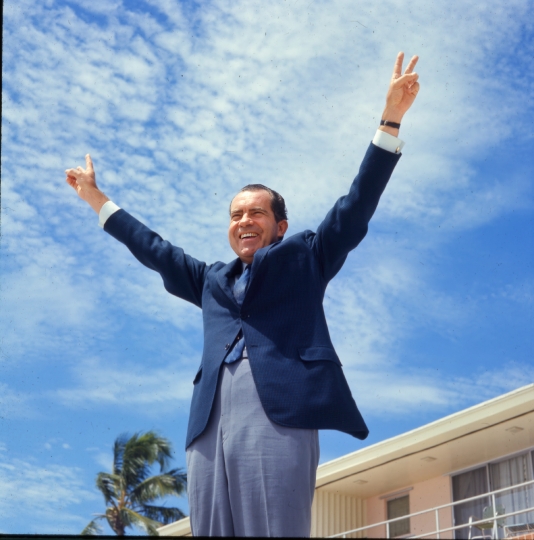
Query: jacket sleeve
{"points": [[345, 225], [182, 275]]}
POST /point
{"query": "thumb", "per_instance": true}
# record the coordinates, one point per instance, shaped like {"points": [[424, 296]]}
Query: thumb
{"points": [[414, 89]]}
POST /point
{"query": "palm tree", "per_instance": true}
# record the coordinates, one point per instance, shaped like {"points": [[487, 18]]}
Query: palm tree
{"points": [[130, 489]]}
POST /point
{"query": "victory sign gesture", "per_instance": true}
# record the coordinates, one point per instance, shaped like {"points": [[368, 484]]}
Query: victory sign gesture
{"points": [[83, 181], [402, 91]]}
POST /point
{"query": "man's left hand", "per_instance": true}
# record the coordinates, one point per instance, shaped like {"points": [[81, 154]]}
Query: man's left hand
{"points": [[403, 89]]}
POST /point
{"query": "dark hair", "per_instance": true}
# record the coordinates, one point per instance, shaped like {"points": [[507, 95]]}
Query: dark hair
{"points": [[278, 205]]}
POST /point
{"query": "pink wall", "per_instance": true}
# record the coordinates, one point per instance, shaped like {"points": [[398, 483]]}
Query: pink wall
{"points": [[424, 495], [433, 492], [376, 512]]}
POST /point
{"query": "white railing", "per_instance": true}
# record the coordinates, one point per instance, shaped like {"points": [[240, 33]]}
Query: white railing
{"points": [[438, 530]]}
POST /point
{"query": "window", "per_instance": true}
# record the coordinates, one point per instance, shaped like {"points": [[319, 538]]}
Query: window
{"points": [[467, 485], [512, 472], [490, 477], [397, 508]]}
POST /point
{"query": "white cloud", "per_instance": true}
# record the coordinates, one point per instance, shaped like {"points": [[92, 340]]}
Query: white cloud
{"points": [[129, 385], [15, 404], [511, 376], [522, 293], [49, 494], [104, 459], [383, 299], [55, 443], [45, 304], [402, 391], [222, 99]]}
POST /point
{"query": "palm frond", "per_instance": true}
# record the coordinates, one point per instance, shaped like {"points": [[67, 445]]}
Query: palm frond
{"points": [[130, 518], [141, 451], [92, 529], [180, 478], [118, 452], [109, 485], [173, 482], [137, 458], [163, 514]]}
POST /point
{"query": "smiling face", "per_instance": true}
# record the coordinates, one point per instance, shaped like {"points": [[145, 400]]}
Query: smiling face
{"points": [[252, 224]]}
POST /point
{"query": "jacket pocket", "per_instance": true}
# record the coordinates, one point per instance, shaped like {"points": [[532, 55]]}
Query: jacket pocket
{"points": [[311, 354], [198, 375]]}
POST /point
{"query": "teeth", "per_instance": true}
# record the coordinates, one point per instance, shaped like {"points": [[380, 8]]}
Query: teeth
{"points": [[248, 235]]}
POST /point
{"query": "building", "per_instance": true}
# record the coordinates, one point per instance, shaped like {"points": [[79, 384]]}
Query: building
{"points": [[470, 467]]}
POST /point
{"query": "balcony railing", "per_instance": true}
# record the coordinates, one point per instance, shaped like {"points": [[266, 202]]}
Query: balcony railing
{"points": [[438, 531]]}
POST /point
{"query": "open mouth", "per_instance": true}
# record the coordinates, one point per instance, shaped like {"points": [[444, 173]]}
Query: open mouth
{"points": [[244, 236]]}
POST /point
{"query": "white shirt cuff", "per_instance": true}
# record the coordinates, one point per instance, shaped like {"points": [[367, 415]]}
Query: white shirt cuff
{"points": [[387, 142], [107, 210]]}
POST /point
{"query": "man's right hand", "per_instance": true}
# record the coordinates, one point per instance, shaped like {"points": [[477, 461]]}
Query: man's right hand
{"points": [[83, 181]]}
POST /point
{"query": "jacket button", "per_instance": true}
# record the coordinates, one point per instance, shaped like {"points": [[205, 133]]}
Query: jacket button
{"points": [[227, 346]]}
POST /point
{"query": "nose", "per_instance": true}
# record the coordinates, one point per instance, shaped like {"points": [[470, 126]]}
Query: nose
{"points": [[245, 220]]}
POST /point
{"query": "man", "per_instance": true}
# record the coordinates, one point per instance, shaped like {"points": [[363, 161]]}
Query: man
{"points": [[269, 376]]}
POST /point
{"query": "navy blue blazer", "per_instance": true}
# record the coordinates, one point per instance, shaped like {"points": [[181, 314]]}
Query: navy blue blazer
{"points": [[297, 372]]}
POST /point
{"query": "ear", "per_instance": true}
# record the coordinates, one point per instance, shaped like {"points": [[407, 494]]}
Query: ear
{"points": [[282, 227]]}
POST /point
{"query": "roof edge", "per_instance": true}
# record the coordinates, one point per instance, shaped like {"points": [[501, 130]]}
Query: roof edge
{"points": [[381, 451]]}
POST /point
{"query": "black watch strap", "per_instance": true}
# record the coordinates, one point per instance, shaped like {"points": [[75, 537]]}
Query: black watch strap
{"points": [[389, 124]]}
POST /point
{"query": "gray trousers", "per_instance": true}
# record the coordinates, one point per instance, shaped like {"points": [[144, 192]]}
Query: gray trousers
{"points": [[248, 476]]}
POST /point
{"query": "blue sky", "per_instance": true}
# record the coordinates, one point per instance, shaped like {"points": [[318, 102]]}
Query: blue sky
{"points": [[180, 105]]}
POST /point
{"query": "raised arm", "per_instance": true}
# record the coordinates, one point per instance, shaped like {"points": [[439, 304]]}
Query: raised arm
{"points": [[346, 224], [83, 181], [182, 274]]}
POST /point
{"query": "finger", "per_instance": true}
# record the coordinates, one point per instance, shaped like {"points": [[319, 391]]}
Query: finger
{"points": [[89, 163], [411, 65], [397, 68], [72, 182], [72, 172], [414, 90], [407, 79]]}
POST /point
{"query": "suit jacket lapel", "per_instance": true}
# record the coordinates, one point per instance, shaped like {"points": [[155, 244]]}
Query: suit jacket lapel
{"points": [[259, 257], [226, 278], [226, 275]]}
